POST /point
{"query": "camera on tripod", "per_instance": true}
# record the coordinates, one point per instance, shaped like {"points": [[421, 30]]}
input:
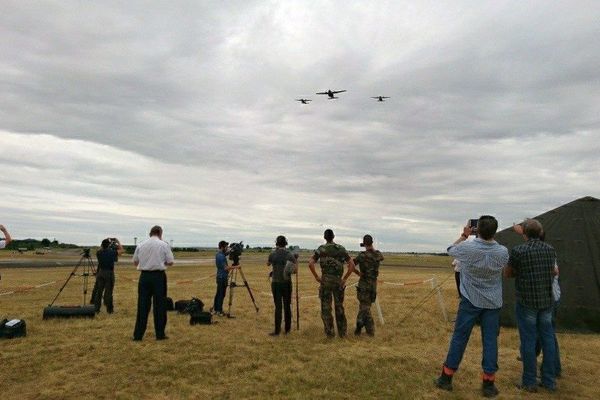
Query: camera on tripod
{"points": [[85, 253], [235, 252]]}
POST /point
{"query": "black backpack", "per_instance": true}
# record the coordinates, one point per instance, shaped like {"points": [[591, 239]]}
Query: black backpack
{"points": [[195, 306]]}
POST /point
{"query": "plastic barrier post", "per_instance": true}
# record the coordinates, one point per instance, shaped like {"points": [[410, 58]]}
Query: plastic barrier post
{"points": [[379, 311], [440, 298]]}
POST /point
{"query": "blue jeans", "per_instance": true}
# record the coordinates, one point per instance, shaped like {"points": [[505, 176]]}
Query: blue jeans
{"points": [[538, 344], [220, 295], [534, 324], [490, 327]]}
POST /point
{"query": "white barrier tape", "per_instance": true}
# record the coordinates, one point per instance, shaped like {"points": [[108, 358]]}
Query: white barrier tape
{"points": [[407, 283], [27, 288]]}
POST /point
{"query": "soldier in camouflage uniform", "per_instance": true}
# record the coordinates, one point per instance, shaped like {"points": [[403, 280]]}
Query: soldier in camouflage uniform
{"points": [[366, 290], [332, 257]]}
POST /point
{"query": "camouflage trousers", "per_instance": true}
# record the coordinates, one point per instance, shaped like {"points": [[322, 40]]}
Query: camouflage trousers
{"points": [[366, 293], [332, 289]]}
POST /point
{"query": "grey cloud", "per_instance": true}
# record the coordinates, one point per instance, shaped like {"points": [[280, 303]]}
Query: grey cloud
{"points": [[494, 109]]}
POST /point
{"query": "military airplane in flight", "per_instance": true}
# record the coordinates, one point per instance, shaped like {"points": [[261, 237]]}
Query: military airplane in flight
{"points": [[303, 101], [380, 98], [331, 93]]}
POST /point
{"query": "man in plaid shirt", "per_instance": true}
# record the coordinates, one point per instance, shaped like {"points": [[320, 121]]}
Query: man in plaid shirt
{"points": [[532, 266]]}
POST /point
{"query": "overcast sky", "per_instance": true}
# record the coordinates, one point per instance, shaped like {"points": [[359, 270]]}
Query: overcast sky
{"points": [[115, 116]]}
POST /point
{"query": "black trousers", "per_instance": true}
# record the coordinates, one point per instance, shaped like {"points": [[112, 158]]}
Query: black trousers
{"points": [[220, 295], [282, 296], [105, 282], [152, 291], [457, 279]]}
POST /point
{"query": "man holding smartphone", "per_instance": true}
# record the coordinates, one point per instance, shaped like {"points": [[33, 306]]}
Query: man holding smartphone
{"points": [[482, 262]]}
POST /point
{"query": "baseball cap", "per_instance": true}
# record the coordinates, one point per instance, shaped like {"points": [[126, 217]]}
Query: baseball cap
{"points": [[367, 241]]}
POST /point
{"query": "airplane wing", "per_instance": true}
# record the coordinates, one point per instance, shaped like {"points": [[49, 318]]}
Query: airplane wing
{"points": [[322, 93], [337, 91], [385, 97], [376, 97]]}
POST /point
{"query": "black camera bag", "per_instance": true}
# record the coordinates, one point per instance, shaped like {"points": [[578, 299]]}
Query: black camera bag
{"points": [[169, 304], [181, 305], [13, 328], [189, 306], [201, 318]]}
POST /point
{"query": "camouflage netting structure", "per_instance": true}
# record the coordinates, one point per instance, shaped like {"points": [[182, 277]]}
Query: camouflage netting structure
{"points": [[574, 231]]}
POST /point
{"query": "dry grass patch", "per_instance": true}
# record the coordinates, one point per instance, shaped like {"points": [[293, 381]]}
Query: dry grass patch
{"points": [[85, 359]]}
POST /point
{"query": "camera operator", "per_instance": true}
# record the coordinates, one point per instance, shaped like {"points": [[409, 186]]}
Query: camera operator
{"points": [[281, 284], [110, 250], [7, 238], [482, 262], [152, 259], [222, 277]]}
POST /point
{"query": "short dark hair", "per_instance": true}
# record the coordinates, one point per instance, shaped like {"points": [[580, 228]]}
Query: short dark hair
{"points": [[487, 227], [156, 231], [281, 241], [222, 244], [533, 229], [105, 243], [328, 235]]}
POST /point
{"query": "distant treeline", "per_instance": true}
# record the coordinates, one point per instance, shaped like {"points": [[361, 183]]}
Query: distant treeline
{"points": [[33, 244]]}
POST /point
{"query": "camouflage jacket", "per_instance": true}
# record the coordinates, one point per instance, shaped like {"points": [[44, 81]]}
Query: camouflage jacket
{"points": [[368, 262], [331, 257]]}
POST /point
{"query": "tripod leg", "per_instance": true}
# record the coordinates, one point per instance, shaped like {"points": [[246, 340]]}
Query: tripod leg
{"points": [[67, 281], [248, 287]]}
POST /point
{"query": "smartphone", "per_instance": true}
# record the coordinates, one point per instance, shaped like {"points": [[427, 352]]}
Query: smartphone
{"points": [[473, 226]]}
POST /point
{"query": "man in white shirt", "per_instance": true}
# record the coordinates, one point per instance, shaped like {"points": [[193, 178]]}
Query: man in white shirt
{"points": [[7, 239], [152, 258]]}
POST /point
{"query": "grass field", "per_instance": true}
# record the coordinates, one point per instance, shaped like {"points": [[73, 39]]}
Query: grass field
{"points": [[235, 358]]}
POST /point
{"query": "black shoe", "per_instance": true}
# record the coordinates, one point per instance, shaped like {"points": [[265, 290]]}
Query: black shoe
{"points": [[550, 389], [489, 389], [135, 339], [274, 334], [110, 311], [162, 338], [444, 382], [530, 389]]}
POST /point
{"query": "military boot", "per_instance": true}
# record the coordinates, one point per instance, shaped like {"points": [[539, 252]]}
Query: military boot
{"points": [[358, 329]]}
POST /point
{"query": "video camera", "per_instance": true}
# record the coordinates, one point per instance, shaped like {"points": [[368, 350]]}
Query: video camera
{"points": [[85, 253], [235, 251]]}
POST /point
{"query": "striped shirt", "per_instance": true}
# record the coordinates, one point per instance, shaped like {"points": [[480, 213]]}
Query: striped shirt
{"points": [[481, 265]]}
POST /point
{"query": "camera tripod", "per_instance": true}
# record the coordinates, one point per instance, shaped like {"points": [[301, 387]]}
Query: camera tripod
{"points": [[233, 284], [88, 267]]}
